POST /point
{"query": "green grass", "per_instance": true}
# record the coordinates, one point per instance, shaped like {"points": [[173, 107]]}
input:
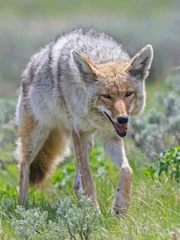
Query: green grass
{"points": [[61, 8], [155, 206]]}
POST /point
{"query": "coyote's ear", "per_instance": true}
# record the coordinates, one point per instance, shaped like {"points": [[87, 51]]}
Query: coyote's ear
{"points": [[87, 69], [141, 63]]}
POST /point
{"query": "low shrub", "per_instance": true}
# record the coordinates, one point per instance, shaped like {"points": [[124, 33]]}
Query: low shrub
{"points": [[72, 220]]}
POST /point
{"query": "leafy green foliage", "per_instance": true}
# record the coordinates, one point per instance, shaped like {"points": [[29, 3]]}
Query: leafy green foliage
{"points": [[100, 164], [64, 174], [168, 164]]}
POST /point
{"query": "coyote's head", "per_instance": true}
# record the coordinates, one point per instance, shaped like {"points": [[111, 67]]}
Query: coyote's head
{"points": [[116, 89]]}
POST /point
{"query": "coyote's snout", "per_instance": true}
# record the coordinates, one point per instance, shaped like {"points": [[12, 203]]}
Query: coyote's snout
{"points": [[121, 125], [83, 83]]}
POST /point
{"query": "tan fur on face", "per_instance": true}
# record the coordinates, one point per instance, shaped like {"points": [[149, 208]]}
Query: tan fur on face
{"points": [[115, 83], [114, 74], [118, 107]]}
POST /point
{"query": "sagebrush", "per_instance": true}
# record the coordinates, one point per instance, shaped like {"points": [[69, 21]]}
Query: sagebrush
{"points": [[159, 128]]}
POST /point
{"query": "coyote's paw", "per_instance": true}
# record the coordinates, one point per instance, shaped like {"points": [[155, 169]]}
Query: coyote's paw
{"points": [[121, 204], [119, 211]]}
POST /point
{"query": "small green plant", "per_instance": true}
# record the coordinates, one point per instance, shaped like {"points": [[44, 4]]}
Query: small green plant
{"points": [[80, 221], [71, 220], [30, 224], [168, 164], [8, 198]]}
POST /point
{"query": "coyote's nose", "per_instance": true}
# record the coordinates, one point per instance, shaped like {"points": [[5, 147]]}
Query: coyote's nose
{"points": [[122, 120]]}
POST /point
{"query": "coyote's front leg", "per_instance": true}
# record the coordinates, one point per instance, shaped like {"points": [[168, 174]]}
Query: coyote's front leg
{"points": [[81, 146], [115, 150]]}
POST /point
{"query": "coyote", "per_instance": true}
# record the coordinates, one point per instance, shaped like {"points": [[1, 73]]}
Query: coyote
{"points": [[81, 84]]}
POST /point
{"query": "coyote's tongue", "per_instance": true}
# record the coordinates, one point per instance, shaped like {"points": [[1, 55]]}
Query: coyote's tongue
{"points": [[121, 129]]}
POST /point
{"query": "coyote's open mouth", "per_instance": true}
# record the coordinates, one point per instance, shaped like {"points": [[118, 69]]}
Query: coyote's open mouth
{"points": [[121, 129]]}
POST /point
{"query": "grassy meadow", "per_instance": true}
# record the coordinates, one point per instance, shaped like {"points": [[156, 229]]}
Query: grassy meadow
{"points": [[155, 206], [152, 144]]}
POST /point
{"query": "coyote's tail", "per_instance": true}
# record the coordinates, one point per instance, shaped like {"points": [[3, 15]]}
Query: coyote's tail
{"points": [[55, 148]]}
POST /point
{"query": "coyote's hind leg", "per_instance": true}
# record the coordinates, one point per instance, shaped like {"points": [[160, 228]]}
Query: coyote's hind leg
{"points": [[81, 146], [77, 181], [31, 139]]}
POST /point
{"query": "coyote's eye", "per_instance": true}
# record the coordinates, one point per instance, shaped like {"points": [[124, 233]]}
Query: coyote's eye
{"points": [[106, 96], [128, 94]]}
